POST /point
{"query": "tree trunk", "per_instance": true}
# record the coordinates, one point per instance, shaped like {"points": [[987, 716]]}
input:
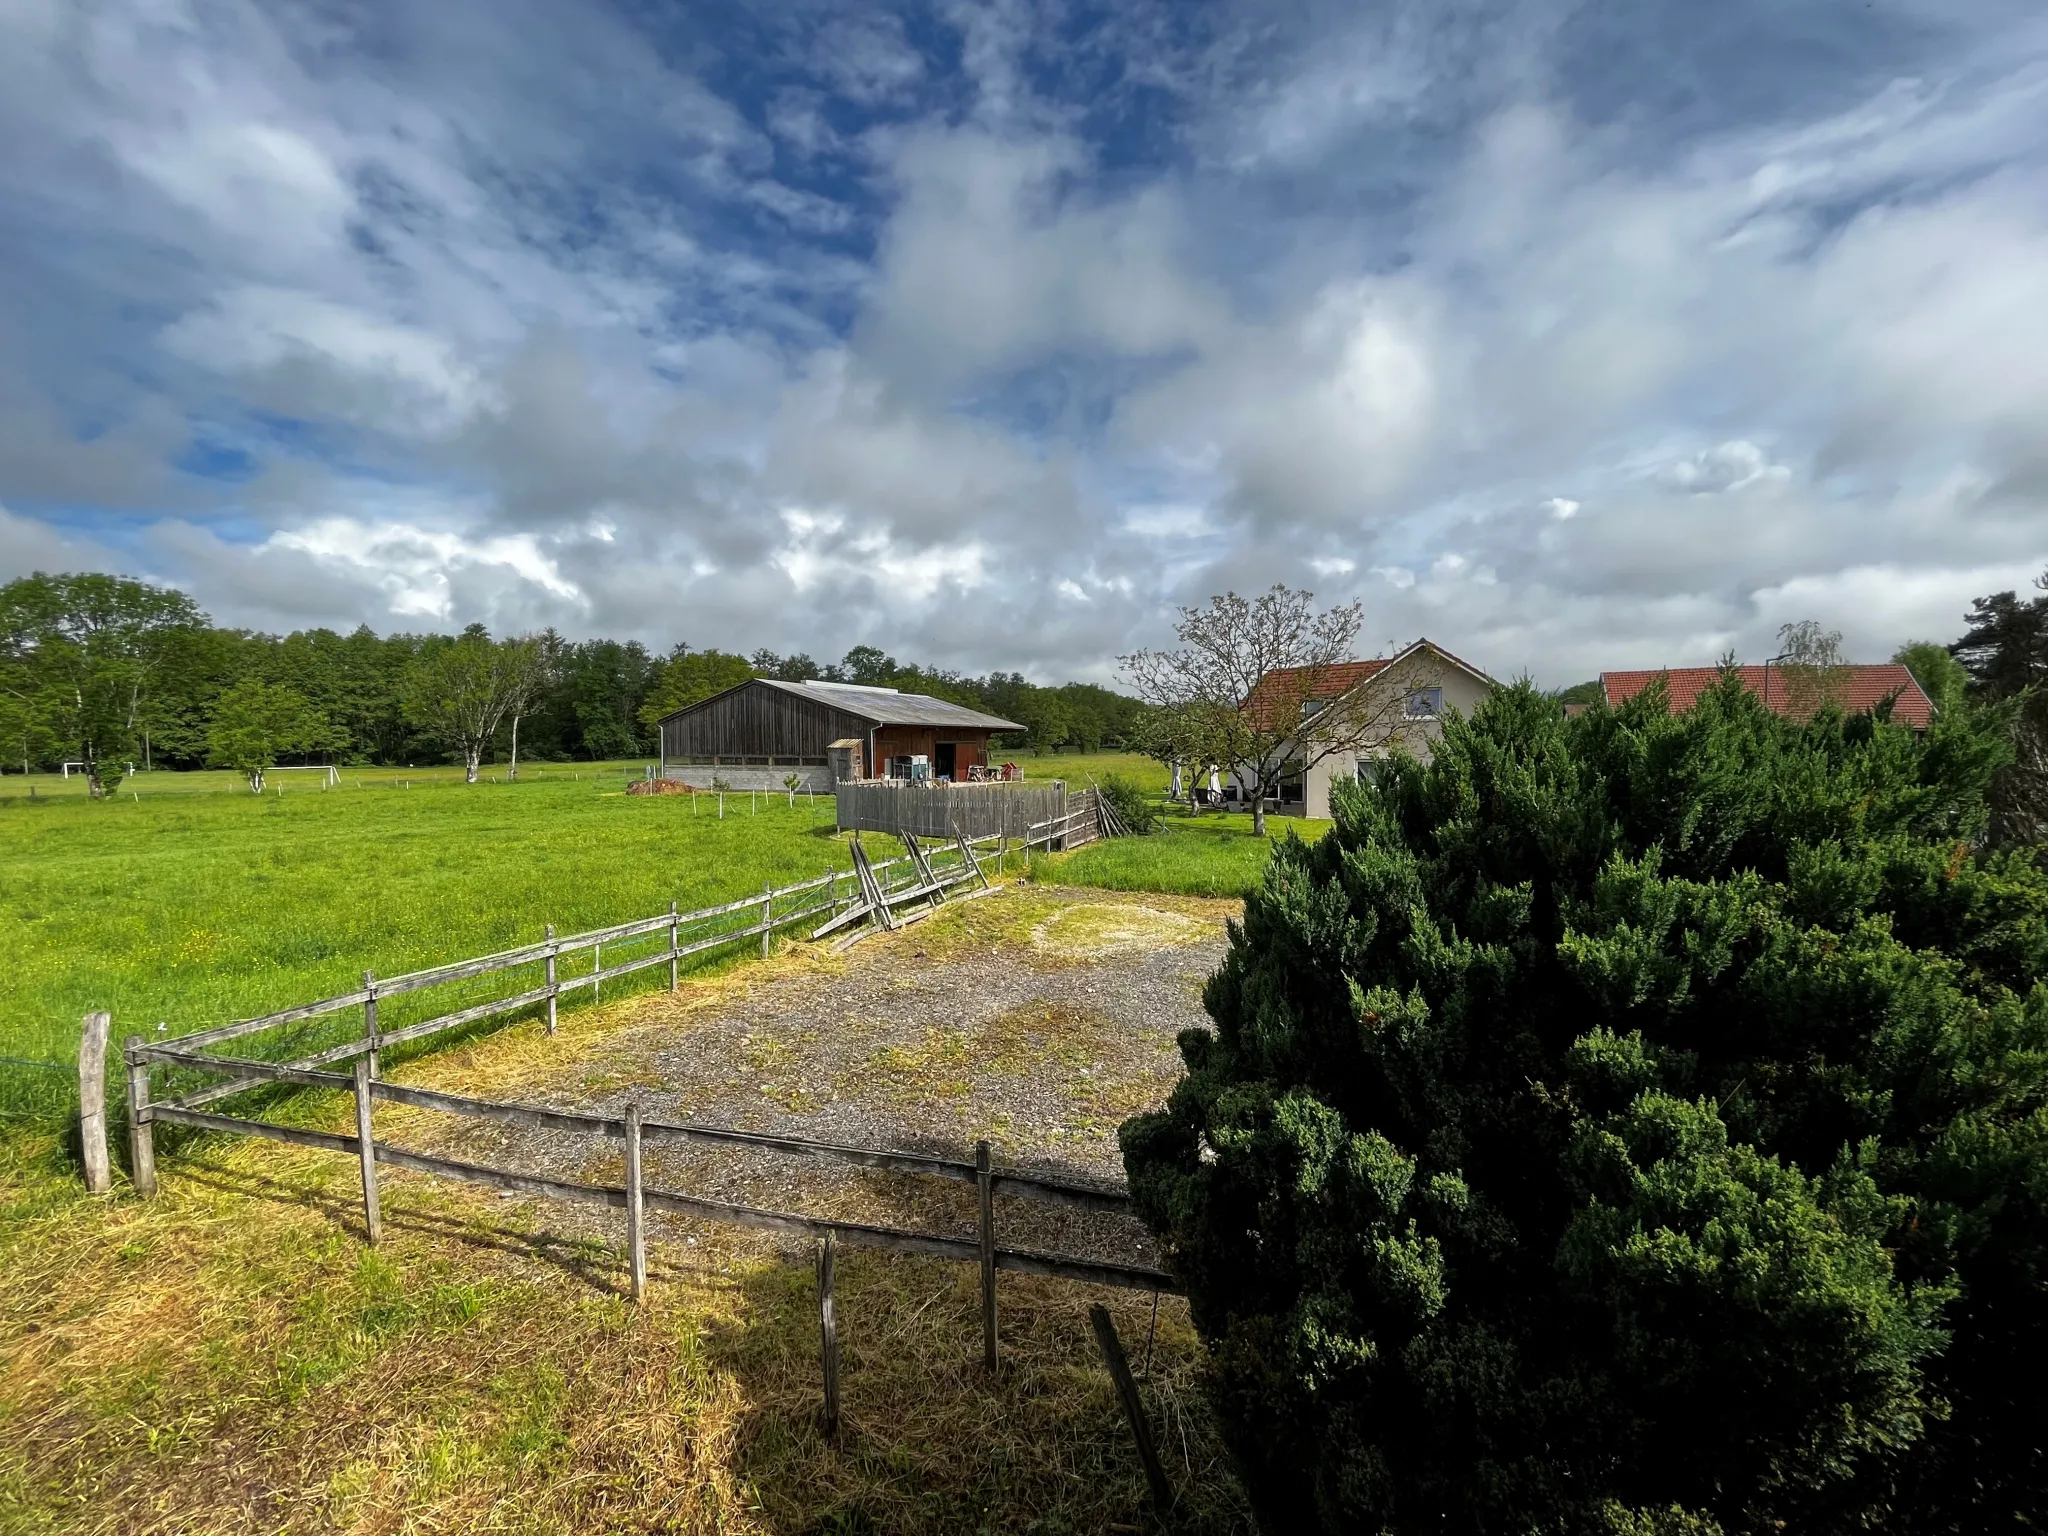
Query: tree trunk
{"points": [[255, 781], [471, 756], [512, 769], [1259, 810]]}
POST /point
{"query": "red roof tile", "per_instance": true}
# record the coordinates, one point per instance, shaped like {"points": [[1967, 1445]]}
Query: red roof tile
{"points": [[1865, 686], [1281, 688]]}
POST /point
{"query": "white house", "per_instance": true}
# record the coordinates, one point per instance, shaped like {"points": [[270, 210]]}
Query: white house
{"points": [[1390, 703]]}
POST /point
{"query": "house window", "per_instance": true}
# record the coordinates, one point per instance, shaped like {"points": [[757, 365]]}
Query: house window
{"points": [[1369, 769], [1312, 707], [1426, 703]]}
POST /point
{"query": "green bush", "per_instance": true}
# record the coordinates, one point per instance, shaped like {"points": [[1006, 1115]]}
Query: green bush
{"points": [[1629, 1123], [1139, 811]]}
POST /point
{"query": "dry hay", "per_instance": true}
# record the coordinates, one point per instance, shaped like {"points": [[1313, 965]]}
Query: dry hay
{"points": [[1098, 930]]}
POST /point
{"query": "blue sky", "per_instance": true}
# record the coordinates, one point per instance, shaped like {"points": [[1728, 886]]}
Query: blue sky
{"points": [[1572, 335]]}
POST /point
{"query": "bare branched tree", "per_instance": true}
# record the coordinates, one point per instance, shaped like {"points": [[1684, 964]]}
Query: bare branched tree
{"points": [[1264, 686]]}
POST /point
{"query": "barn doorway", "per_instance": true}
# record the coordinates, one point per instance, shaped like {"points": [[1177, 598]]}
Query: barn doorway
{"points": [[943, 756]]}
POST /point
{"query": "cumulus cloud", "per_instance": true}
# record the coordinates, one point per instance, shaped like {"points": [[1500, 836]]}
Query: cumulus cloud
{"points": [[992, 338]]}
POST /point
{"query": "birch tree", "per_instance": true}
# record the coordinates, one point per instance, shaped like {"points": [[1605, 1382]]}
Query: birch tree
{"points": [[460, 691]]}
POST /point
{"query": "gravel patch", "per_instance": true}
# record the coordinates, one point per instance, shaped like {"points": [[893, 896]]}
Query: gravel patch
{"points": [[1039, 1018]]}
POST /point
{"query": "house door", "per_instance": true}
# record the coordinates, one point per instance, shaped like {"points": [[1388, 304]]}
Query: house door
{"points": [[943, 756]]}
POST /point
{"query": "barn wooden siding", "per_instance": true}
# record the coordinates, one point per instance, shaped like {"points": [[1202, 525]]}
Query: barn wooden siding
{"points": [[759, 722], [949, 810]]}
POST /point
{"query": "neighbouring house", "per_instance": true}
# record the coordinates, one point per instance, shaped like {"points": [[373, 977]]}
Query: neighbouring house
{"points": [[755, 735], [1791, 691], [1390, 703]]}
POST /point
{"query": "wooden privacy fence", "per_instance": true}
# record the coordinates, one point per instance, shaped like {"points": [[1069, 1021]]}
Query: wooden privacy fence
{"points": [[975, 811], [1084, 819]]}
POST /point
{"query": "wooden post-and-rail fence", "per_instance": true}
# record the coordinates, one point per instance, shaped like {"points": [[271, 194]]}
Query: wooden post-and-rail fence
{"points": [[924, 875]]}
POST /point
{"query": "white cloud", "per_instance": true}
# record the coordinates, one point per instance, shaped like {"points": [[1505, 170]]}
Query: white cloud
{"points": [[404, 378], [1735, 465], [416, 569], [525, 322], [821, 551]]}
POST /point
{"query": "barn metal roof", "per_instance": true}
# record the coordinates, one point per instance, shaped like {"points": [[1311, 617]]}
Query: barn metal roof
{"points": [[885, 706]]}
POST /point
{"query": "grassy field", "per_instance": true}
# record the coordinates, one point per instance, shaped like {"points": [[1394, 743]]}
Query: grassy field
{"points": [[292, 781], [187, 901], [192, 909], [230, 1357], [1208, 855]]}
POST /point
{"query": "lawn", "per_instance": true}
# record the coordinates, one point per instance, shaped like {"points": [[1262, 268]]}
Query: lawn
{"points": [[293, 781], [193, 909], [1208, 855]]}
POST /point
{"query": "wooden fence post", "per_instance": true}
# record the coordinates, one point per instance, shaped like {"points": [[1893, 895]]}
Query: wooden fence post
{"points": [[986, 1181], [370, 1019], [1134, 1408], [767, 917], [92, 1102], [828, 1334], [366, 1149], [596, 965], [141, 1141], [674, 941], [636, 1223], [552, 988]]}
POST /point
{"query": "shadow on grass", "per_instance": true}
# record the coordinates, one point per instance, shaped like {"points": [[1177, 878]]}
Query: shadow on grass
{"points": [[722, 1364]]}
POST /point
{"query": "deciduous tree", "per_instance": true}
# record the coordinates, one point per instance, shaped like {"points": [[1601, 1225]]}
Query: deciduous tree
{"points": [[255, 723], [459, 692], [82, 652], [1251, 688]]}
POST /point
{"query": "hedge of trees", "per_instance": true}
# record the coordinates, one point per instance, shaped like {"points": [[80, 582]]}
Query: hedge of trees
{"points": [[1631, 1123], [108, 671]]}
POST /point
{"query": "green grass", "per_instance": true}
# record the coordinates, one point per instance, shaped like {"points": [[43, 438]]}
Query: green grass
{"points": [[1209, 855], [219, 781], [1077, 768], [194, 909]]}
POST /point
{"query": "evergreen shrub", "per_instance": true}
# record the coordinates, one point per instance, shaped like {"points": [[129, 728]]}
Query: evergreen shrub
{"points": [[1629, 1123]]}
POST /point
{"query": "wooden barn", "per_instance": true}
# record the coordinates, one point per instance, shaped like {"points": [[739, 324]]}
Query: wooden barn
{"points": [[756, 735]]}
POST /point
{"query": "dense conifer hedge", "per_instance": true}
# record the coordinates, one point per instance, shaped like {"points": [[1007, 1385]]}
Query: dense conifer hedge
{"points": [[1629, 1123]]}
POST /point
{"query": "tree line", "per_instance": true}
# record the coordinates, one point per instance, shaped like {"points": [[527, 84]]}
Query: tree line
{"points": [[112, 673]]}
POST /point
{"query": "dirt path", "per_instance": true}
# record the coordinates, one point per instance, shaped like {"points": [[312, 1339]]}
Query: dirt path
{"points": [[1036, 1017]]}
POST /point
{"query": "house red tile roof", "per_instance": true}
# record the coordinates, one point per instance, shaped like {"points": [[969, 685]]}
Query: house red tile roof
{"points": [[1865, 686], [1282, 690]]}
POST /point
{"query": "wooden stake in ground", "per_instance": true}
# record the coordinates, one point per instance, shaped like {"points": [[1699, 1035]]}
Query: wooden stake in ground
{"points": [[92, 1102], [636, 1224], [366, 1149], [370, 1019], [986, 1180], [552, 988], [1134, 1408], [828, 1334], [141, 1145]]}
